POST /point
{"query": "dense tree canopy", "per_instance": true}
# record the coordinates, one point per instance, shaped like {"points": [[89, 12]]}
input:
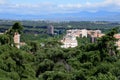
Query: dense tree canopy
{"points": [[17, 27], [88, 61]]}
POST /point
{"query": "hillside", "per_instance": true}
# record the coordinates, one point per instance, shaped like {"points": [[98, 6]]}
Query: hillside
{"points": [[87, 61]]}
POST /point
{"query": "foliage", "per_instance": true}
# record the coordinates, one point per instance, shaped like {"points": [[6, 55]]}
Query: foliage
{"points": [[17, 27], [88, 61], [4, 39]]}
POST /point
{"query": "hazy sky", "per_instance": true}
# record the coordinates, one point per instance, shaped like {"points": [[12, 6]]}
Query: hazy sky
{"points": [[37, 7]]}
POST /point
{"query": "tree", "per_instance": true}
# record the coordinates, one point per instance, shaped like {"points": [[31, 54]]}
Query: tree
{"points": [[106, 44], [4, 39], [108, 76], [33, 47], [55, 75], [17, 27], [16, 63], [46, 65]]}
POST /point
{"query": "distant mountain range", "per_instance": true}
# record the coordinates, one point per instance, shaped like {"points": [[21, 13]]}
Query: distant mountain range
{"points": [[78, 16]]}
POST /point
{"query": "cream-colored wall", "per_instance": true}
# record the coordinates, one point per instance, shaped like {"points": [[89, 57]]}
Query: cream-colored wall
{"points": [[17, 40]]}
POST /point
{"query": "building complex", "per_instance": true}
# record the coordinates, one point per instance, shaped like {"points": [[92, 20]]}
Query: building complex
{"points": [[70, 40]]}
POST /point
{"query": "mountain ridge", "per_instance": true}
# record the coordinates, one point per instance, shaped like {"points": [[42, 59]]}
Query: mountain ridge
{"points": [[77, 16]]}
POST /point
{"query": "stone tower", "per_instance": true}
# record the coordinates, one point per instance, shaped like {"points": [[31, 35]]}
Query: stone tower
{"points": [[17, 39]]}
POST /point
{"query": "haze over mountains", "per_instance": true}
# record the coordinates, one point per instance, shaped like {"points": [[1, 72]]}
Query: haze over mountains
{"points": [[78, 16], [72, 10]]}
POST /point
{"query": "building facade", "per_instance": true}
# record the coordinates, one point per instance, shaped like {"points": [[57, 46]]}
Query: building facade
{"points": [[50, 30], [70, 39], [17, 39]]}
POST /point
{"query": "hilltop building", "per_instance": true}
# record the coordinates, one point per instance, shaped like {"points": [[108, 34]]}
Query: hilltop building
{"points": [[70, 38], [117, 36], [16, 39]]}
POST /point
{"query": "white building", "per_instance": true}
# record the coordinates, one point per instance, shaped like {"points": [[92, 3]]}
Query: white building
{"points": [[84, 33], [69, 41]]}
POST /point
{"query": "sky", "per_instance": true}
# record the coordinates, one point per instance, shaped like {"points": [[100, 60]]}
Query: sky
{"points": [[47, 7]]}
